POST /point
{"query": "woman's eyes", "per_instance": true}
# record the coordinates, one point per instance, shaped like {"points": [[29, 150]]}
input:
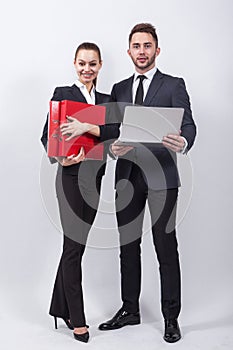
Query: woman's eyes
{"points": [[82, 64]]}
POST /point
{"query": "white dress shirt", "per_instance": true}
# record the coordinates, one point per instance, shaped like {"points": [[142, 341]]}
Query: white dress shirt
{"points": [[146, 82], [90, 97]]}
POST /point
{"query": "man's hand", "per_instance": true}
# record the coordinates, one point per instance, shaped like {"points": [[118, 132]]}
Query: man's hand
{"points": [[73, 159], [119, 150], [174, 142], [73, 128]]}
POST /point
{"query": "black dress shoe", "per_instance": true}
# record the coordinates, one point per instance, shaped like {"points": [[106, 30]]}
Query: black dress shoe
{"points": [[121, 319], [82, 337], [172, 331]]}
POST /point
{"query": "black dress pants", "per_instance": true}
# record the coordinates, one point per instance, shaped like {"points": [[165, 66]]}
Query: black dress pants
{"points": [[78, 198], [130, 207]]}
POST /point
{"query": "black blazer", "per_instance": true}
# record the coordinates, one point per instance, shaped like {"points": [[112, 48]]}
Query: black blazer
{"points": [[108, 132], [164, 91]]}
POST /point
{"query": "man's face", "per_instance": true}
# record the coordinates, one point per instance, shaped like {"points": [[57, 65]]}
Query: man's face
{"points": [[143, 51]]}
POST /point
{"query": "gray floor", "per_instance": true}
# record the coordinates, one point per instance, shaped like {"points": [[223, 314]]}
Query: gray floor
{"points": [[38, 333]]}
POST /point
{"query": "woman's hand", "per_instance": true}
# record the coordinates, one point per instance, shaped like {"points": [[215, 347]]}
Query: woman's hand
{"points": [[73, 128], [73, 159]]}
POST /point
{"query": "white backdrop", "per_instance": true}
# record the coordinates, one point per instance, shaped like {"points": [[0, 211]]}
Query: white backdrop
{"points": [[38, 41]]}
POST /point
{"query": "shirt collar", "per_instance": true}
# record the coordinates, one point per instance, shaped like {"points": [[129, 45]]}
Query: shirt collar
{"points": [[149, 74], [82, 86]]}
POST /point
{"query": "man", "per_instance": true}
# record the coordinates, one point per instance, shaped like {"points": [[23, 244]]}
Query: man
{"points": [[149, 174]]}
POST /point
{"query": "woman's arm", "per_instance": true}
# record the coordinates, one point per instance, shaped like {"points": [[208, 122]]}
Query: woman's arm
{"points": [[75, 128]]}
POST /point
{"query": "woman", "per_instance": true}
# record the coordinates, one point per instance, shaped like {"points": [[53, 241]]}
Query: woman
{"points": [[78, 186]]}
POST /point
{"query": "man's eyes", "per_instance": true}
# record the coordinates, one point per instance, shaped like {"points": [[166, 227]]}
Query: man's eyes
{"points": [[146, 46]]}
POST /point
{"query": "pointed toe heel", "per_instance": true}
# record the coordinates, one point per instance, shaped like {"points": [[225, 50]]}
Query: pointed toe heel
{"points": [[55, 322], [67, 322], [82, 337]]}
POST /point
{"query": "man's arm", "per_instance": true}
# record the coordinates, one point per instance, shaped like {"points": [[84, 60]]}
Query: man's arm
{"points": [[183, 142], [180, 98]]}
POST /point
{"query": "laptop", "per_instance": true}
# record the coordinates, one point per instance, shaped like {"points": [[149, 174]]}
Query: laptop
{"points": [[142, 124]]}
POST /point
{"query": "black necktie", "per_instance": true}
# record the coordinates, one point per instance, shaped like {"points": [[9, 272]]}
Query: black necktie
{"points": [[139, 92]]}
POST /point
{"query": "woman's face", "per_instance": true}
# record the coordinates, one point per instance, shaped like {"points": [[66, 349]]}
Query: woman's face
{"points": [[87, 65]]}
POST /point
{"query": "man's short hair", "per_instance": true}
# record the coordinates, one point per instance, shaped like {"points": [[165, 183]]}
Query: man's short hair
{"points": [[144, 28]]}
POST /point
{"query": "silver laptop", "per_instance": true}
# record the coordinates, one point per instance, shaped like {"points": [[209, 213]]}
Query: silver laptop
{"points": [[143, 124]]}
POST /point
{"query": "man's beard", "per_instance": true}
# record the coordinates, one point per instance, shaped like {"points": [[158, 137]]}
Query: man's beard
{"points": [[149, 63]]}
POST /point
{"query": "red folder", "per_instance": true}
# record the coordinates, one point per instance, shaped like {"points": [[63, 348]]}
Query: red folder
{"points": [[57, 144]]}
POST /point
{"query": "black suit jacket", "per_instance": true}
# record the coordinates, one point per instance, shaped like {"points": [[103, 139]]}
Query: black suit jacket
{"points": [[108, 132], [164, 91]]}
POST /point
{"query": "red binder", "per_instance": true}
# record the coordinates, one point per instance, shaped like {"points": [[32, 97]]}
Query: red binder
{"points": [[57, 144]]}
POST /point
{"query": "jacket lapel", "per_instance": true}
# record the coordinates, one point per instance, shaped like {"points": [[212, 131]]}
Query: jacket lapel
{"points": [[128, 97], [99, 99], [155, 85], [77, 94]]}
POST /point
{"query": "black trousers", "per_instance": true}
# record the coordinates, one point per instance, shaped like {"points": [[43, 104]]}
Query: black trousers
{"points": [[78, 198], [130, 206]]}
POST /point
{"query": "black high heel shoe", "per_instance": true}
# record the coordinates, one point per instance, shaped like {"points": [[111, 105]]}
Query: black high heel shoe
{"points": [[67, 322], [82, 337]]}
